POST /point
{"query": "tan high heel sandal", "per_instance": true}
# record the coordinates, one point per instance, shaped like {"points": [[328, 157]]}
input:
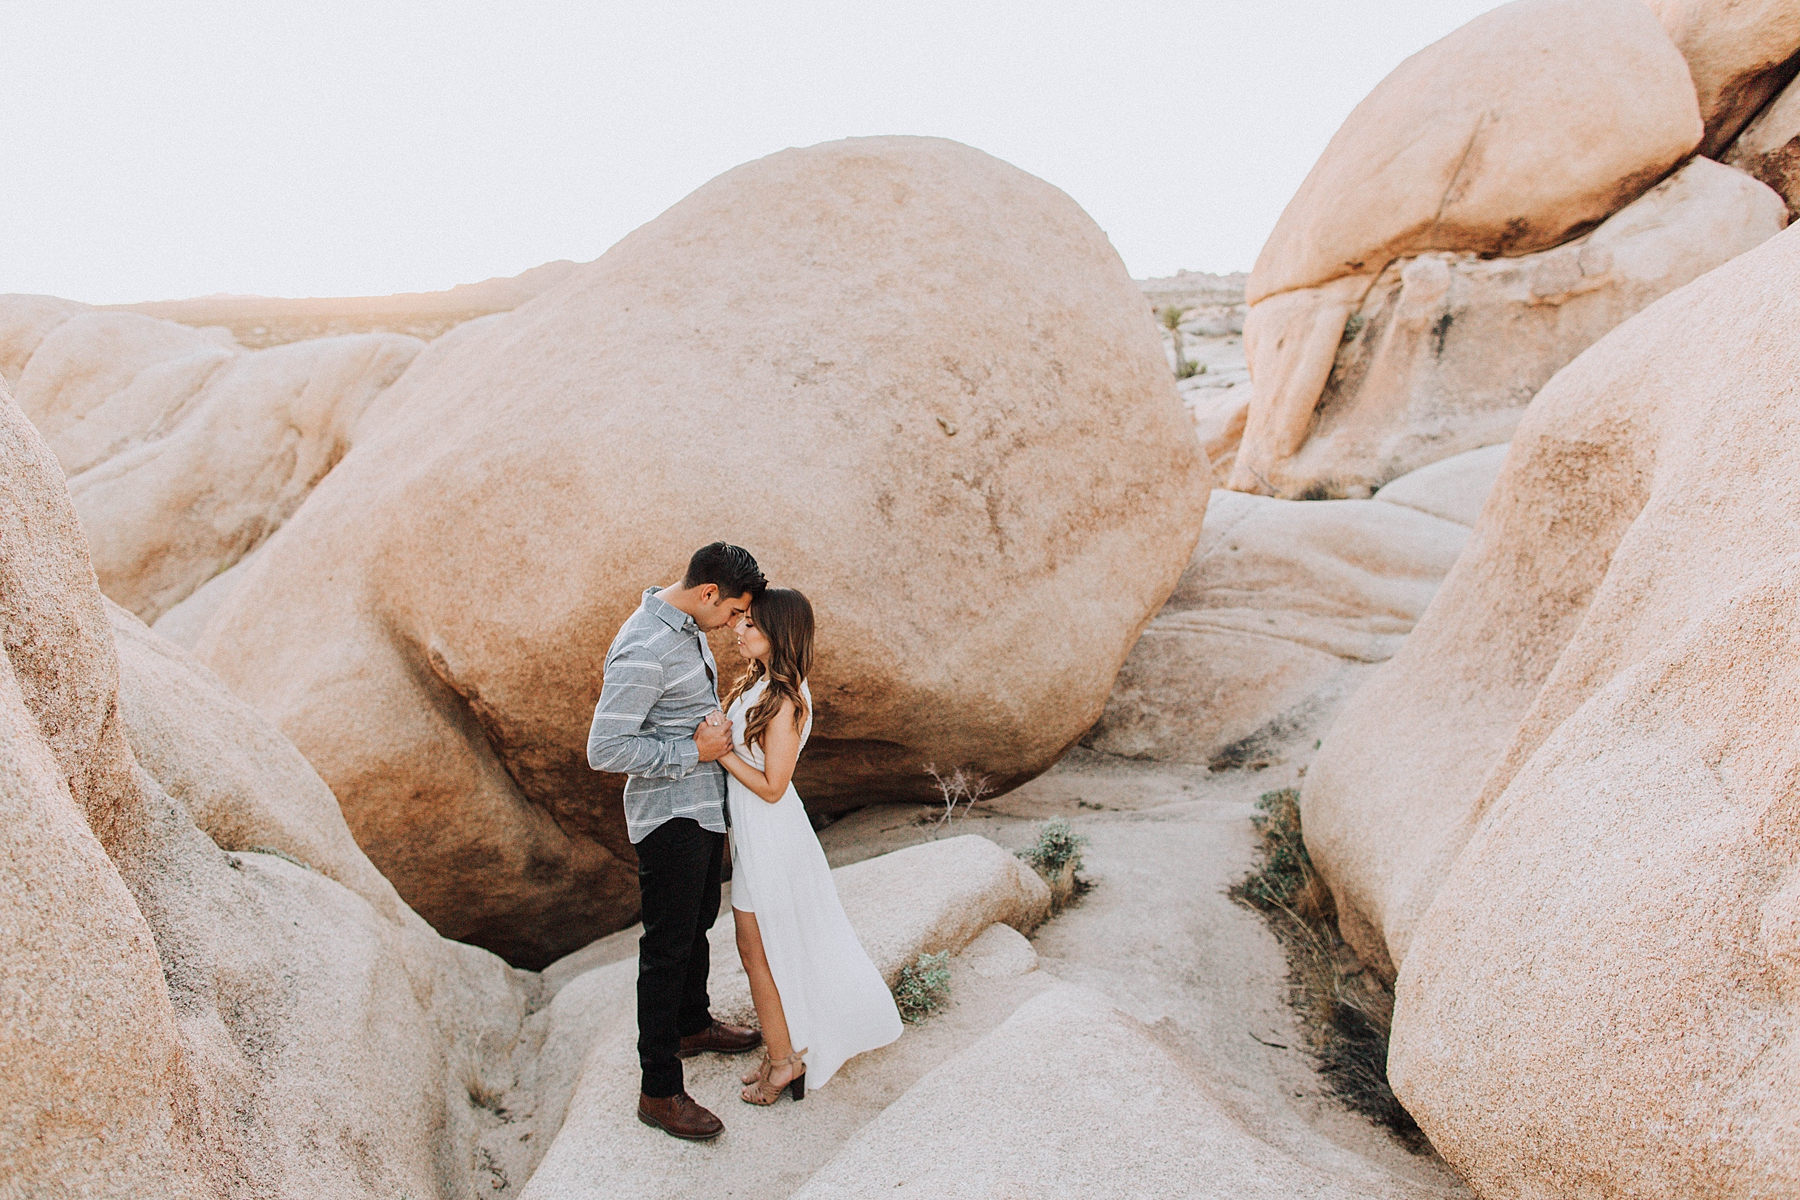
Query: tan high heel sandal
{"points": [[762, 1091]]}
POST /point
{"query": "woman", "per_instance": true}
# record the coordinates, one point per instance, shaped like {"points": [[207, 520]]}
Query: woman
{"points": [[812, 983]]}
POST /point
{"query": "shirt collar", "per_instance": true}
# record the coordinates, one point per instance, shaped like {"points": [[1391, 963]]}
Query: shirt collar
{"points": [[671, 616]]}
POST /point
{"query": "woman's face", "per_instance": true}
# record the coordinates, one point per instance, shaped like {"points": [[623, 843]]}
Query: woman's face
{"points": [[751, 641]]}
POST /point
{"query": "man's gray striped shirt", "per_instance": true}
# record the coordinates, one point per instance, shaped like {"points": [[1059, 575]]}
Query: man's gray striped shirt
{"points": [[660, 683]]}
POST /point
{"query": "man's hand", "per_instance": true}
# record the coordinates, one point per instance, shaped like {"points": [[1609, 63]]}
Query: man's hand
{"points": [[713, 738]]}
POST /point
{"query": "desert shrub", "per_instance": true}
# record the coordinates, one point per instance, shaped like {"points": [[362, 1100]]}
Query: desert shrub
{"points": [[1346, 1012], [1189, 368], [1058, 846], [1056, 855], [924, 986]]}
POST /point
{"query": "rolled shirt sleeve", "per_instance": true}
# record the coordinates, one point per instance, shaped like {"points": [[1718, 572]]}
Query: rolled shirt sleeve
{"points": [[619, 739]]}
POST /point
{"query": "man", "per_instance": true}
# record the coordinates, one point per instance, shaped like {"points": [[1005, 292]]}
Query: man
{"points": [[658, 722]]}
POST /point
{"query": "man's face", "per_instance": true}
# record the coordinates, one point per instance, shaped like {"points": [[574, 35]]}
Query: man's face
{"points": [[718, 611]]}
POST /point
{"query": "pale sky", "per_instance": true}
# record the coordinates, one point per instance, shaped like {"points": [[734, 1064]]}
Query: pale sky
{"points": [[155, 151]]}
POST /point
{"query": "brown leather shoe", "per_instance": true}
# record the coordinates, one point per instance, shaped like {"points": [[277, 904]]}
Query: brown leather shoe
{"points": [[720, 1038], [678, 1116]]}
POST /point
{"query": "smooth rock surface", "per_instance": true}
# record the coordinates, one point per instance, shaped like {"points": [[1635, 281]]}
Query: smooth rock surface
{"points": [[1445, 351], [1522, 127], [1291, 341], [1113, 1113], [937, 896], [183, 452], [1740, 53], [243, 784], [1564, 810], [1281, 609], [1453, 488], [928, 394], [1219, 422], [185, 622], [183, 1021], [1001, 952], [24, 322]]}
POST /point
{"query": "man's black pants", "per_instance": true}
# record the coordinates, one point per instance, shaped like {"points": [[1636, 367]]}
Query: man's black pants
{"points": [[678, 880]]}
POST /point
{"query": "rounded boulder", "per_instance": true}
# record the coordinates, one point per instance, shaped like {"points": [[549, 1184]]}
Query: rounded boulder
{"points": [[916, 382]]}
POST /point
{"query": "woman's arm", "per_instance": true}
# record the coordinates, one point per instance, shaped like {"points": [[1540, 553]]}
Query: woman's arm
{"points": [[781, 750]]}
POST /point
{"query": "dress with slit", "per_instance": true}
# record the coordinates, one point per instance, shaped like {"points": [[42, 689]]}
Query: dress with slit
{"points": [[836, 1003]]}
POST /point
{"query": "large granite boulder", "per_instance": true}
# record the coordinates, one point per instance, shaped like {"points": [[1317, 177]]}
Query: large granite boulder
{"points": [[1740, 53], [917, 382], [1527, 126], [183, 451], [1565, 810], [182, 1021], [1445, 350]]}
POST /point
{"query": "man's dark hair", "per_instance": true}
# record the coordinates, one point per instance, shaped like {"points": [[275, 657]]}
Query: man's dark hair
{"points": [[731, 569]]}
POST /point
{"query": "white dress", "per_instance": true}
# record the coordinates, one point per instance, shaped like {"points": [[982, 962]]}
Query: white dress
{"points": [[836, 1003]]}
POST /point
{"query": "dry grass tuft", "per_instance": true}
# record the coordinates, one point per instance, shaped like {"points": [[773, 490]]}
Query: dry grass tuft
{"points": [[1346, 1011]]}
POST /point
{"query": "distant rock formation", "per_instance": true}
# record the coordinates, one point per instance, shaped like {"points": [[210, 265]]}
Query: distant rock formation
{"points": [[1195, 289], [262, 321]]}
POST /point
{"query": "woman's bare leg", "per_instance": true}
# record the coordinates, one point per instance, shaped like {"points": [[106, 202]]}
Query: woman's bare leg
{"points": [[764, 994]]}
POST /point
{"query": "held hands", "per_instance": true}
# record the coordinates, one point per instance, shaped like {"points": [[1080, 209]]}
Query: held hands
{"points": [[713, 738]]}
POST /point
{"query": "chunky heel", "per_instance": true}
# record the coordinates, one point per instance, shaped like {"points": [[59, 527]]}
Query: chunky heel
{"points": [[764, 1090]]}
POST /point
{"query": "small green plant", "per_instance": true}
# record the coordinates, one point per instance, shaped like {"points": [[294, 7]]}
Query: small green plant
{"points": [[1170, 316], [924, 986], [1189, 368], [1056, 855], [1058, 846]]}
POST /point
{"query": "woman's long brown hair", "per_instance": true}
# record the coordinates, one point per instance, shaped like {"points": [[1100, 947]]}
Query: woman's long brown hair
{"points": [[785, 617]]}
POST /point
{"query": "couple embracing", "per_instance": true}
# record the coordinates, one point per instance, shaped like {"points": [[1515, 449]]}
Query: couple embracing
{"points": [[696, 767]]}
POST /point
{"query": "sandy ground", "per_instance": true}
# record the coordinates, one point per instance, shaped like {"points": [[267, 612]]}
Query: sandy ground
{"points": [[1155, 935]]}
